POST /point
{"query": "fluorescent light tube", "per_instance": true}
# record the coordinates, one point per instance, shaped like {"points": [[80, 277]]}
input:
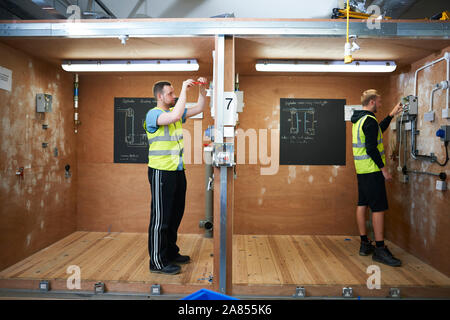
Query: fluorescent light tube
{"points": [[130, 65], [324, 66]]}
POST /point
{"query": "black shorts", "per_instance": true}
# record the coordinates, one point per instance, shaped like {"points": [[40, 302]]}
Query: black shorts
{"points": [[372, 191]]}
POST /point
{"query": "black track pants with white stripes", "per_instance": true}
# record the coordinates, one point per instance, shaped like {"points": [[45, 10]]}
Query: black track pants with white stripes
{"points": [[168, 189]]}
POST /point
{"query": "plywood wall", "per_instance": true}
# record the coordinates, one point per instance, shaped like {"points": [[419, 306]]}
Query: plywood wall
{"points": [[296, 199], [114, 196], [39, 208], [419, 216]]}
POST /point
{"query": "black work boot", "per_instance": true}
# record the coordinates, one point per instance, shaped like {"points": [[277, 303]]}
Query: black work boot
{"points": [[179, 259], [383, 255], [366, 248], [170, 269]]}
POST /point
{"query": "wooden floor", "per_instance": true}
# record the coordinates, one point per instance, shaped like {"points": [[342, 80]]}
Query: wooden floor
{"points": [[321, 260], [116, 257], [262, 265]]}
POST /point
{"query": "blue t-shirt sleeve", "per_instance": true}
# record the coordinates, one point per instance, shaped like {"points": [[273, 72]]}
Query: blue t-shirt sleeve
{"points": [[152, 117], [183, 118], [150, 120]]}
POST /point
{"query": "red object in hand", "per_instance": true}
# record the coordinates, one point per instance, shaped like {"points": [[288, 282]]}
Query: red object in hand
{"points": [[198, 82]]}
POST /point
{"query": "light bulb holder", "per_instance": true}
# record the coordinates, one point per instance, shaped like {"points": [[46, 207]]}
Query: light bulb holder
{"points": [[130, 65], [325, 66]]}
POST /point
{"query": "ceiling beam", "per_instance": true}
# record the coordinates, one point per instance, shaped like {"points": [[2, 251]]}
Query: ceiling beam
{"points": [[105, 8], [28, 10], [237, 27], [135, 9]]}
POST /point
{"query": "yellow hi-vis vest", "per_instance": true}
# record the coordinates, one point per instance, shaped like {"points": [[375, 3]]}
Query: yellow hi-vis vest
{"points": [[165, 146], [363, 162]]}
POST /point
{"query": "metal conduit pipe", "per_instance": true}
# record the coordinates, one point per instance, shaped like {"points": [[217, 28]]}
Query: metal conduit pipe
{"points": [[443, 85], [446, 57], [207, 224], [76, 120]]}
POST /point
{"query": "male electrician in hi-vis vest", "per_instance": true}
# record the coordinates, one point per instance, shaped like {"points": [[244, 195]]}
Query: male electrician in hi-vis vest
{"points": [[163, 125], [370, 162]]}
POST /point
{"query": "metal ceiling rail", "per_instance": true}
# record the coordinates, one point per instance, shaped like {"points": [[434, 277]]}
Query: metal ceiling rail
{"points": [[237, 27]]}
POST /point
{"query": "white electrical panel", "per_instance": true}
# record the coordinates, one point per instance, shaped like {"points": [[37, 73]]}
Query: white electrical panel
{"points": [[240, 101]]}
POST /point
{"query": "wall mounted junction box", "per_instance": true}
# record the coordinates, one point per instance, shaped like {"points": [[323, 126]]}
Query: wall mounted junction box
{"points": [[446, 133], [445, 113], [411, 102], [429, 116], [43, 102]]}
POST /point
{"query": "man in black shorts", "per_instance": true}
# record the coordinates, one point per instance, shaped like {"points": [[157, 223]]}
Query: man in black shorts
{"points": [[370, 161]]}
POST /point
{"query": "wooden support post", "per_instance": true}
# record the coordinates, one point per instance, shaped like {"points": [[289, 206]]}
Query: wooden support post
{"points": [[222, 270]]}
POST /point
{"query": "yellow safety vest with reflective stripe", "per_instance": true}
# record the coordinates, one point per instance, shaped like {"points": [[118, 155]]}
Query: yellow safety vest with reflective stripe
{"points": [[363, 162], [165, 146]]}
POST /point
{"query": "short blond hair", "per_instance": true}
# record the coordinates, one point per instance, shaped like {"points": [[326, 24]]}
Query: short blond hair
{"points": [[369, 95]]}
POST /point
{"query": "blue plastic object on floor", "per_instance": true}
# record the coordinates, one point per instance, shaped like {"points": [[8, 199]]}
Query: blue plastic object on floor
{"points": [[205, 294]]}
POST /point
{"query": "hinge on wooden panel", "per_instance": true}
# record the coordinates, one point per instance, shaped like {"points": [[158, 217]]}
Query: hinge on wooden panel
{"points": [[300, 292], [155, 290], [394, 293], [347, 292], [99, 288], [44, 285]]}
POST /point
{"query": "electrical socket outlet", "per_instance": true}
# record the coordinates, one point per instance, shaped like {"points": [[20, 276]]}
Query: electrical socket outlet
{"points": [[429, 116], [408, 126], [445, 114], [441, 185], [393, 126]]}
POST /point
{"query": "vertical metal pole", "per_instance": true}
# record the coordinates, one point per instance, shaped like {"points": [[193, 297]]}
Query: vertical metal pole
{"points": [[223, 230], [220, 88], [223, 170]]}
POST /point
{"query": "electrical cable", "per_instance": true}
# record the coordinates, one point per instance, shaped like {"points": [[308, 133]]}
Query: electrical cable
{"points": [[446, 156], [400, 143]]}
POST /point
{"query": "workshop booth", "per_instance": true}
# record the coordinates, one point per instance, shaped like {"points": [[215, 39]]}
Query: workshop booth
{"points": [[272, 190]]}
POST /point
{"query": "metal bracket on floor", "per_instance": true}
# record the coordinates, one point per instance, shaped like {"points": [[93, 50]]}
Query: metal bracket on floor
{"points": [[155, 290], [99, 288], [347, 292], [394, 293], [44, 286], [300, 292]]}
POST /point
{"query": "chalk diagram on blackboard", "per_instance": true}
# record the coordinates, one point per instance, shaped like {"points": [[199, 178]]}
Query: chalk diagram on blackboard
{"points": [[131, 126], [303, 122], [312, 132], [130, 138]]}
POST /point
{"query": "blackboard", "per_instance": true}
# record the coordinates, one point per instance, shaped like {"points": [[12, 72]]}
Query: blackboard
{"points": [[312, 132], [130, 139]]}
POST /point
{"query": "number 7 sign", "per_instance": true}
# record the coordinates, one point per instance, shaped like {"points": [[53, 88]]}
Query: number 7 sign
{"points": [[229, 112]]}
